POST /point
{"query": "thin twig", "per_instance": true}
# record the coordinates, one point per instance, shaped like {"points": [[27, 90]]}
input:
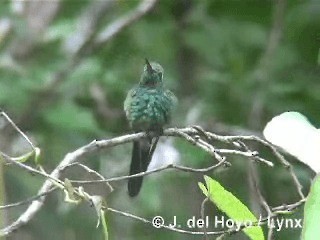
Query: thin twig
{"points": [[189, 134], [276, 153], [89, 170], [160, 169], [221, 233], [121, 23], [17, 129], [248, 154], [29, 169], [28, 200], [202, 213]]}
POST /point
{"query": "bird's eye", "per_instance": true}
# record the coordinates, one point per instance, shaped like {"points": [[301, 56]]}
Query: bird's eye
{"points": [[160, 75]]}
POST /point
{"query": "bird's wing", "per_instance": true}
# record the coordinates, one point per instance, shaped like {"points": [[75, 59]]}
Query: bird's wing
{"points": [[128, 100], [172, 97]]}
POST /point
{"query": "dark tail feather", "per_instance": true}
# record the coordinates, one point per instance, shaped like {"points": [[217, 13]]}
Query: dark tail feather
{"points": [[139, 163]]}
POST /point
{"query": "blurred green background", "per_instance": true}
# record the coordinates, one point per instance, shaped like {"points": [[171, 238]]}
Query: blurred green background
{"points": [[232, 64]]}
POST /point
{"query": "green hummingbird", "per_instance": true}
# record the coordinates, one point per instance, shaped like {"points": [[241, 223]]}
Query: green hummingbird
{"points": [[148, 107]]}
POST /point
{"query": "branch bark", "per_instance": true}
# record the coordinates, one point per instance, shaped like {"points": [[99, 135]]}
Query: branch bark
{"points": [[194, 135]]}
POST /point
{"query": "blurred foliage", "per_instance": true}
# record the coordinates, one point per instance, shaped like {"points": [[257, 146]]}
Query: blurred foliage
{"points": [[311, 212], [210, 51]]}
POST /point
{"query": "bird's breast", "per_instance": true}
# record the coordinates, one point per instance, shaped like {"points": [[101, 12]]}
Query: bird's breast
{"points": [[149, 109]]}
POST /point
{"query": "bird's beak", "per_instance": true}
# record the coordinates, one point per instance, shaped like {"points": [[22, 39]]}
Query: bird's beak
{"points": [[149, 68]]}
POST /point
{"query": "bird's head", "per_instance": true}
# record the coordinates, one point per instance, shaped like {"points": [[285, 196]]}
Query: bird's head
{"points": [[152, 75]]}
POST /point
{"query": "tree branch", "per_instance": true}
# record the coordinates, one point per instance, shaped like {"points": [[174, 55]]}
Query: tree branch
{"points": [[123, 22], [194, 135]]}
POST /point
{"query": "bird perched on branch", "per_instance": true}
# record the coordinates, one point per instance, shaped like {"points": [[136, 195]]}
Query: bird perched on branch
{"points": [[148, 107]]}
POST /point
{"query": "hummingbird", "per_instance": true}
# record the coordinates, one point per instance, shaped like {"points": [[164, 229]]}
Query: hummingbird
{"points": [[148, 107]]}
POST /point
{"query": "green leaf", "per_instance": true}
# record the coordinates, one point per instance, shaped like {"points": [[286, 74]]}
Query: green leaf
{"points": [[69, 192], [312, 212], [232, 206], [319, 57], [37, 152], [25, 157], [104, 225], [99, 203], [203, 188]]}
